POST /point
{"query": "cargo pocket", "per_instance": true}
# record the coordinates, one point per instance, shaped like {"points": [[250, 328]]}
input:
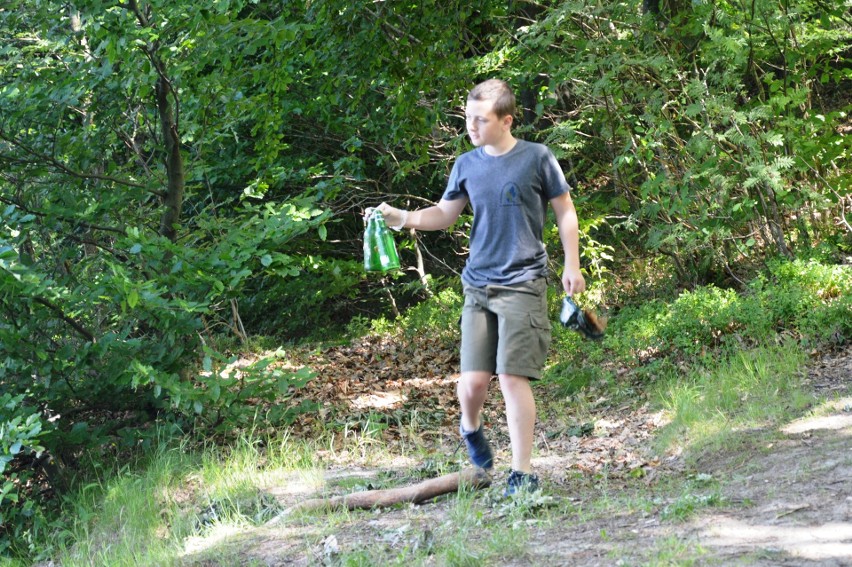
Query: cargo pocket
{"points": [[541, 324]]}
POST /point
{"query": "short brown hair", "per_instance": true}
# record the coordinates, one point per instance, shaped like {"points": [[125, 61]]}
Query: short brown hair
{"points": [[498, 91]]}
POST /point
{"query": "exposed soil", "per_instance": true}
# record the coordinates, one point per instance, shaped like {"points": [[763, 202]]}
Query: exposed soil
{"points": [[783, 497]]}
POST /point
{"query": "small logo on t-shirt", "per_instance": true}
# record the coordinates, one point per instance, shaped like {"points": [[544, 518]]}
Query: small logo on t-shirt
{"points": [[510, 196]]}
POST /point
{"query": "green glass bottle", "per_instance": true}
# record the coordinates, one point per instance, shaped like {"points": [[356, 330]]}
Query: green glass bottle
{"points": [[380, 253]]}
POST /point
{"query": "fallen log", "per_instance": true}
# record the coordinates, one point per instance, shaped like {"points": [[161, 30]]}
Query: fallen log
{"points": [[472, 478]]}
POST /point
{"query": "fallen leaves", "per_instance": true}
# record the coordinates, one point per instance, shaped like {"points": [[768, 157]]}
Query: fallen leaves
{"points": [[391, 381]]}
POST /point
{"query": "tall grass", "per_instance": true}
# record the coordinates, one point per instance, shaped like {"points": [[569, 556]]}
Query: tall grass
{"points": [[120, 519], [748, 389], [142, 515]]}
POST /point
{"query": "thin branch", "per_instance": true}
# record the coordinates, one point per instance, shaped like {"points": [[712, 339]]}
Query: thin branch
{"points": [[60, 217], [58, 311], [61, 166]]}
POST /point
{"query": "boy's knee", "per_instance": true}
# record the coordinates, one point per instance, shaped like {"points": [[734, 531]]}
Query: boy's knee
{"points": [[511, 382], [474, 382]]}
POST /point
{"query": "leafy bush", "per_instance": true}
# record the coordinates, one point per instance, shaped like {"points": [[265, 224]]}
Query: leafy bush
{"points": [[21, 428], [814, 296], [307, 305], [120, 342], [804, 300], [229, 394], [437, 316], [711, 170]]}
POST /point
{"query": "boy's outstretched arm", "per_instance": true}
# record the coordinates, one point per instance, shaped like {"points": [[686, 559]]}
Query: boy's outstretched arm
{"points": [[436, 217], [569, 233]]}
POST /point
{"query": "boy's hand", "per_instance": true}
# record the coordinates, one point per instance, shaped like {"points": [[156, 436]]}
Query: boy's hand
{"points": [[573, 282], [394, 217]]}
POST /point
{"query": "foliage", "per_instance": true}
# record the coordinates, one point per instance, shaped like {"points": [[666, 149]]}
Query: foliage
{"points": [[806, 301], [173, 173], [117, 257], [20, 430], [700, 128], [437, 316], [815, 296]]}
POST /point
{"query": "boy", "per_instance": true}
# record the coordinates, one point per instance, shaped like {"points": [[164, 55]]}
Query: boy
{"points": [[505, 325]]}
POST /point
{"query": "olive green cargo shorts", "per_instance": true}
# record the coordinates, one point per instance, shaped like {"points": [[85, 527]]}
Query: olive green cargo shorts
{"points": [[505, 329]]}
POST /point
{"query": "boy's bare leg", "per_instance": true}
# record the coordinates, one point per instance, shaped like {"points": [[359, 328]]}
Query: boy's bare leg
{"points": [[520, 415], [472, 389]]}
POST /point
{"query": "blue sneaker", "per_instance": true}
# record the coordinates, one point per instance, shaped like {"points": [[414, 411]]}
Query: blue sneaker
{"points": [[520, 482], [477, 447]]}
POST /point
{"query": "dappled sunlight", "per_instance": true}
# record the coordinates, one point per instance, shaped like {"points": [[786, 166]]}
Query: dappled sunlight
{"points": [[231, 544], [213, 537], [400, 462], [379, 400], [553, 460], [434, 382], [376, 457], [557, 465], [820, 542], [819, 421], [830, 422], [299, 483]]}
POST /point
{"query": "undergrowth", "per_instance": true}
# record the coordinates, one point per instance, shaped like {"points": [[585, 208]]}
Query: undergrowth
{"points": [[806, 301]]}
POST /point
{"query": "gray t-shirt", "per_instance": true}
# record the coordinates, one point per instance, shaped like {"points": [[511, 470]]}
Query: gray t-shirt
{"points": [[509, 196]]}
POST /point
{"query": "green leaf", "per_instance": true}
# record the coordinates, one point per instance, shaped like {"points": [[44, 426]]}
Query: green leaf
{"points": [[215, 390]]}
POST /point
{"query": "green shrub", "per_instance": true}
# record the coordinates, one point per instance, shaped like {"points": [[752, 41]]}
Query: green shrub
{"points": [[437, 316], [21, 521], [805, 300], [814, 296]]}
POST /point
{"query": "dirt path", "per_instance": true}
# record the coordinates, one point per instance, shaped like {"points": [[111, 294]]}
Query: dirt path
{"points": [[781, 498], [788, 502], [796, 493], [785, 502]]}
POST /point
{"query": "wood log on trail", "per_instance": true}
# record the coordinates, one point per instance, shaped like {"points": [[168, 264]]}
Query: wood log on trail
{"points": [[471, 477]]}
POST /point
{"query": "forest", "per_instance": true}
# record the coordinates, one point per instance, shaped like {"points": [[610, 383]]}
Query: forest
{"points": [[183, 184]]}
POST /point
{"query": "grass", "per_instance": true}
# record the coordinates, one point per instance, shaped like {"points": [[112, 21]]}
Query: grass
{"points": [[710, 359], [119, 520], [209, 506], [184, 507], [746, 390], [143, 515]]}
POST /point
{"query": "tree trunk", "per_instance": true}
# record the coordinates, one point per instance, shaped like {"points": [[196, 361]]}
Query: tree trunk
{"points": [[421, 267], [165, 92], [775, 222], [173, 200]]}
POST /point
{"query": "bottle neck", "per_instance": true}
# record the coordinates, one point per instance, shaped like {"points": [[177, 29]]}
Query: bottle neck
{"points": [[378, 219]]}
